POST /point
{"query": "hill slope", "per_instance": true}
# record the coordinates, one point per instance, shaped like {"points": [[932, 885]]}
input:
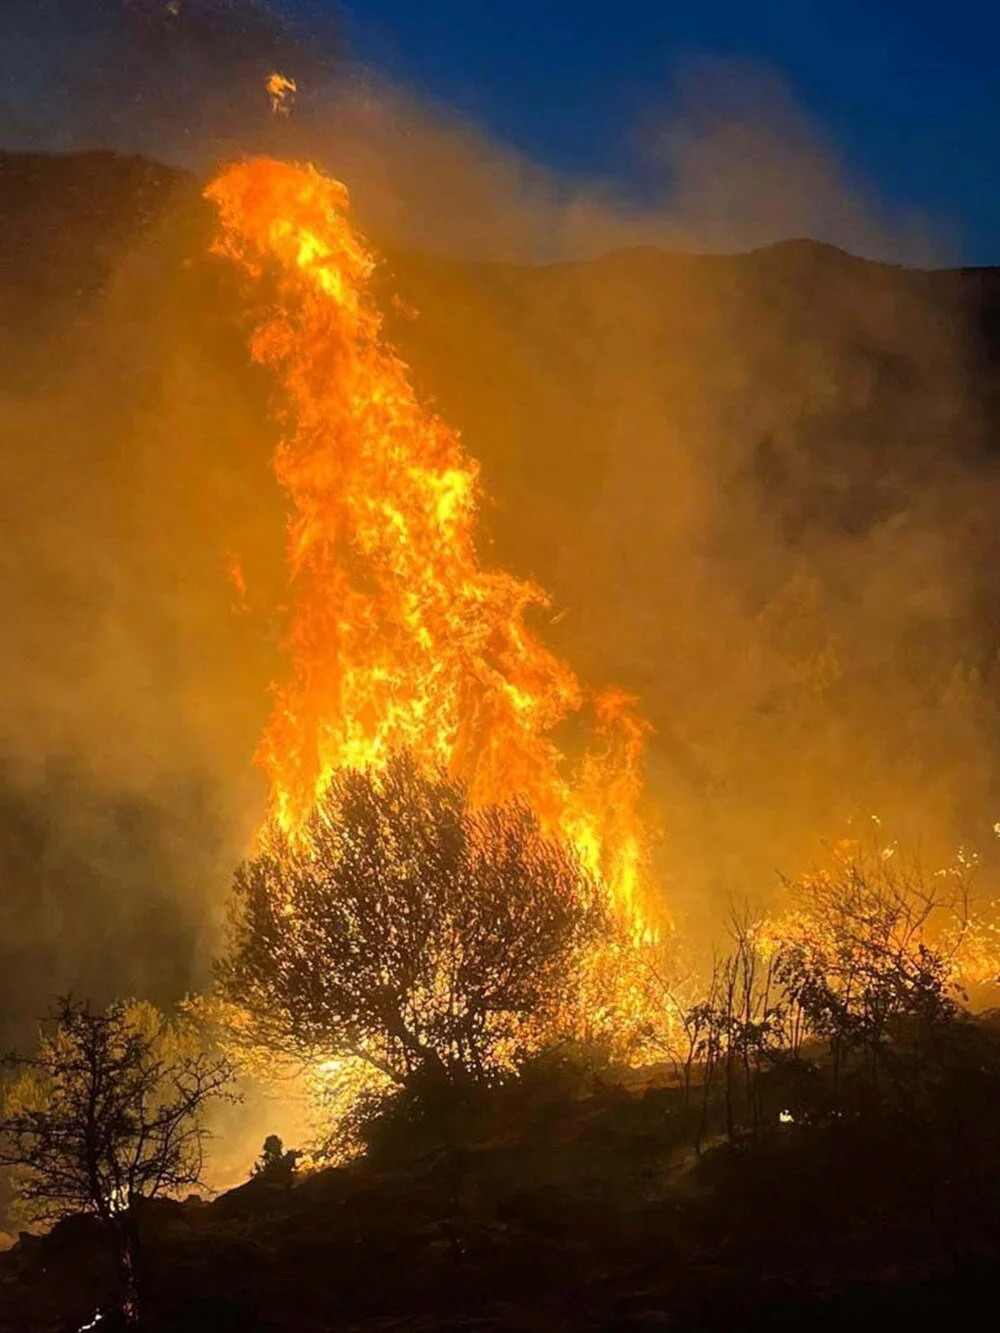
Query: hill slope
{"points": [[585, 1214], [761, 489]]}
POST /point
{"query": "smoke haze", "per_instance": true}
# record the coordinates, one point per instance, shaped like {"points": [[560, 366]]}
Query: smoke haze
{"points": [[759, 489]]}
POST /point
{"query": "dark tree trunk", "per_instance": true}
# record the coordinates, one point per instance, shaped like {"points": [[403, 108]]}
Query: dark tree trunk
{"points": [[126, 1234]]}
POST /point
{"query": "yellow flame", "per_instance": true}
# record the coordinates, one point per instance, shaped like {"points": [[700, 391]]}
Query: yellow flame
{"points": [[399, 637], [281, 91]]}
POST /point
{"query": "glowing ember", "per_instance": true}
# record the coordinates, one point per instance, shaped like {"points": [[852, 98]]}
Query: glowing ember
{"points": [[398, 635], [281, 91]]}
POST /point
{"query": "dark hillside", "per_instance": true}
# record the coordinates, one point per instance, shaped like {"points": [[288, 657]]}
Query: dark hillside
{"points": [[65, 225], [565, 1215]]}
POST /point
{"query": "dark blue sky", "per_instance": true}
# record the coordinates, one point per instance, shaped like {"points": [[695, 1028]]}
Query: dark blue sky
{"points": [[908, 92]]}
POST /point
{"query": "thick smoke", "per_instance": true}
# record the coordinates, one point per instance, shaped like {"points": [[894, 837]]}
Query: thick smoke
{"points": [[758, 488]]}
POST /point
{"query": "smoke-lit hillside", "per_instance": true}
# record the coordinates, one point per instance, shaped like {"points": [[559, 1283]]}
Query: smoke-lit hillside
{"points": [[760, 489]]}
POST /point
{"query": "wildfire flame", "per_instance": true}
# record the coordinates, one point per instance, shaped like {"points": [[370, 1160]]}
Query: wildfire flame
{"points": [[281, 91], [398, 635]]}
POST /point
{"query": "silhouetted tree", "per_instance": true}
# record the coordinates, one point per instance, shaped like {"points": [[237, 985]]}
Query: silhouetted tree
{"points": [[406, 929], [737, 1028], [107, 1113]]}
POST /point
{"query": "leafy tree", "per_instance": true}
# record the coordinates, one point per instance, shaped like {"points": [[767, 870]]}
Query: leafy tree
{"points": [[108, 1112], [406, 929]]}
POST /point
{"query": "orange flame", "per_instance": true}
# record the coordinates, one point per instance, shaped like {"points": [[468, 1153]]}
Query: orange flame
{"points": [[398, 635], [281, 91]]}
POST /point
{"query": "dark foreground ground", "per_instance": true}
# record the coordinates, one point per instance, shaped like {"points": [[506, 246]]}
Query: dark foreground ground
{"points": [[571, 1213]]}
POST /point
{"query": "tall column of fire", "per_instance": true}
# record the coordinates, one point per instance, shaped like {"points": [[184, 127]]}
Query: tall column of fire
{"points": [[398, 635]]}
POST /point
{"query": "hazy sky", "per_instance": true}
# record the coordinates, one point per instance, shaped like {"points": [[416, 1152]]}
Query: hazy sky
{"points": [[900, 97], [907, 90]]}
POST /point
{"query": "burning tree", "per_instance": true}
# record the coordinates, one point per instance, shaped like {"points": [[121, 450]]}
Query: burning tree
{"points": [[407, 930], [873, 947], [437, 938], [107, 1113], [399, 636]]}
